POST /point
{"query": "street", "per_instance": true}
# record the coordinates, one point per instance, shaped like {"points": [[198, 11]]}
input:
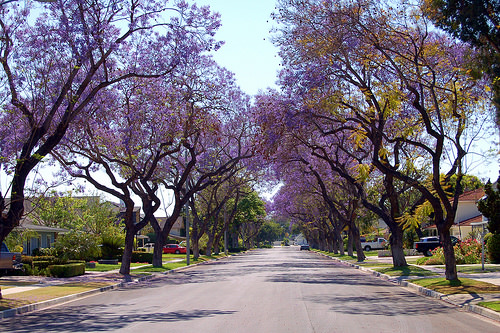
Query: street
{"points": [[266, 290]]}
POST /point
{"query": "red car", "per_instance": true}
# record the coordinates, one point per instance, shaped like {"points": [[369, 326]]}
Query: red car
{"points": [[174, 248]]}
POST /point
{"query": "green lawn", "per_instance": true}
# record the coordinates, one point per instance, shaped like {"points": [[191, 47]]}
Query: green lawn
{"points": [[478, 269], [462, 286], [405, 271], [46, 293], [106, 267], [493, 305]]}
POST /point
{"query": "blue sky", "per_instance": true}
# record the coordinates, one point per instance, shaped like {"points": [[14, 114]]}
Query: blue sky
{"points": [[248, 51]]}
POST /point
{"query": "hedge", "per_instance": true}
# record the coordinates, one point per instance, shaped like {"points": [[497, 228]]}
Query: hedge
{"points": [[41, 264], [67, 270], [138, 256]]}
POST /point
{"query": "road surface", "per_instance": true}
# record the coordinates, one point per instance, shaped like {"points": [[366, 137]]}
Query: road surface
{"points": [[269, 290]]}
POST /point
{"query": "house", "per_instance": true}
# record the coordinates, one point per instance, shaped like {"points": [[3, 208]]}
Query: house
{"points": [[39, 236], [178, 230], [467, 215]]}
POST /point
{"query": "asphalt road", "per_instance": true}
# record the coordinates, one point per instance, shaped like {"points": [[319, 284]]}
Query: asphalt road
{"points": [[270, 290]]}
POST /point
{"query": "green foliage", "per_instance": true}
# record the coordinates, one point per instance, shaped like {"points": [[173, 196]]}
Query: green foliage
{"points": [[490, 207], [138, 256], [68, 270], [469, 183], [41, 264], [87, 214], [112, 244], [16, 238], [466, 252], [493, 246], [251, 208], [78, 245], [269, 232]]}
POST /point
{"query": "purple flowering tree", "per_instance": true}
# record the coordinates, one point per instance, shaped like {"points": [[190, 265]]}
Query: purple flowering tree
{"points": [[55, 64], [379, 74]]}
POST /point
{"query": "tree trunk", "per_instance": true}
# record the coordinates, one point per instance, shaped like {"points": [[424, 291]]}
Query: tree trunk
{"points": [[449, 255], [210, 243], [127, 252], [350, 243], [341, 245], [158, 250], [357, 241], [396, 241]]}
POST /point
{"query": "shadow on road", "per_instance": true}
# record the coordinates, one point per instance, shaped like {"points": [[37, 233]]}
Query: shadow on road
{"points": [[96, 318]]}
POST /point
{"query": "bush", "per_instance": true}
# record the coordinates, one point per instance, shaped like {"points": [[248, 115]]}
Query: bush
{"points": [[67, 270], [43, 258], [27, 260], [435, 261], [422, 261], [138, 256], [78, 245], [468, 252], [48, 252], [493, 246], [237, 249], [112, 245], [41, 264]]}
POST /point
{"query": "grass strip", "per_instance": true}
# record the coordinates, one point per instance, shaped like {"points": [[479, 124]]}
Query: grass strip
{"points": [[46, 293], [478, 269], [108, 267], [405, 271], [461, 286], [493, 305], [5, 283]]}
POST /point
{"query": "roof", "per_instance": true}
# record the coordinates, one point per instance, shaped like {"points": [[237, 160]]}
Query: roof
{"points": [[464, 223], [473, 195], [40, 228]]}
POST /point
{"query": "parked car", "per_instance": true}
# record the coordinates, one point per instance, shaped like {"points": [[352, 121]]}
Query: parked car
{"points": [[304, 247], [174, 248], [9, 260], [427, 244], [378, 244]]}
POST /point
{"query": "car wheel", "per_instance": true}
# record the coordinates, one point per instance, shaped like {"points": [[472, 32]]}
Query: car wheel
{"points": [[428, 253], [177, 252], [368, 248]]}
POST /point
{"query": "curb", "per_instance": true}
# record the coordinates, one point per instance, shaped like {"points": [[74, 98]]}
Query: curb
{"points": [[59, 300], [424, 291]]}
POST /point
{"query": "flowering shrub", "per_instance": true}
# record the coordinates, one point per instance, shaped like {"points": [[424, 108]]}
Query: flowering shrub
{"points": [[466, 252]]}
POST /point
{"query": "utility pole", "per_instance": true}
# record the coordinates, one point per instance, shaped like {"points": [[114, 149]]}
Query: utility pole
{"points": [[188, 250]]}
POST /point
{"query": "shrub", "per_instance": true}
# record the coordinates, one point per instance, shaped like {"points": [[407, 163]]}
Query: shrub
{"points": [[422, 261], [78, 245], [142, 257], [468, 252], [48, 252], [44, 258], [112, 245], [434, 261], [493, 246], [41, 264], [67, 270], [27, 260]]}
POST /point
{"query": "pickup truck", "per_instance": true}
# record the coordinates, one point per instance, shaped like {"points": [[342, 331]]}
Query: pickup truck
{"points": [[377, 244], [9, 260], [427, 244]]}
